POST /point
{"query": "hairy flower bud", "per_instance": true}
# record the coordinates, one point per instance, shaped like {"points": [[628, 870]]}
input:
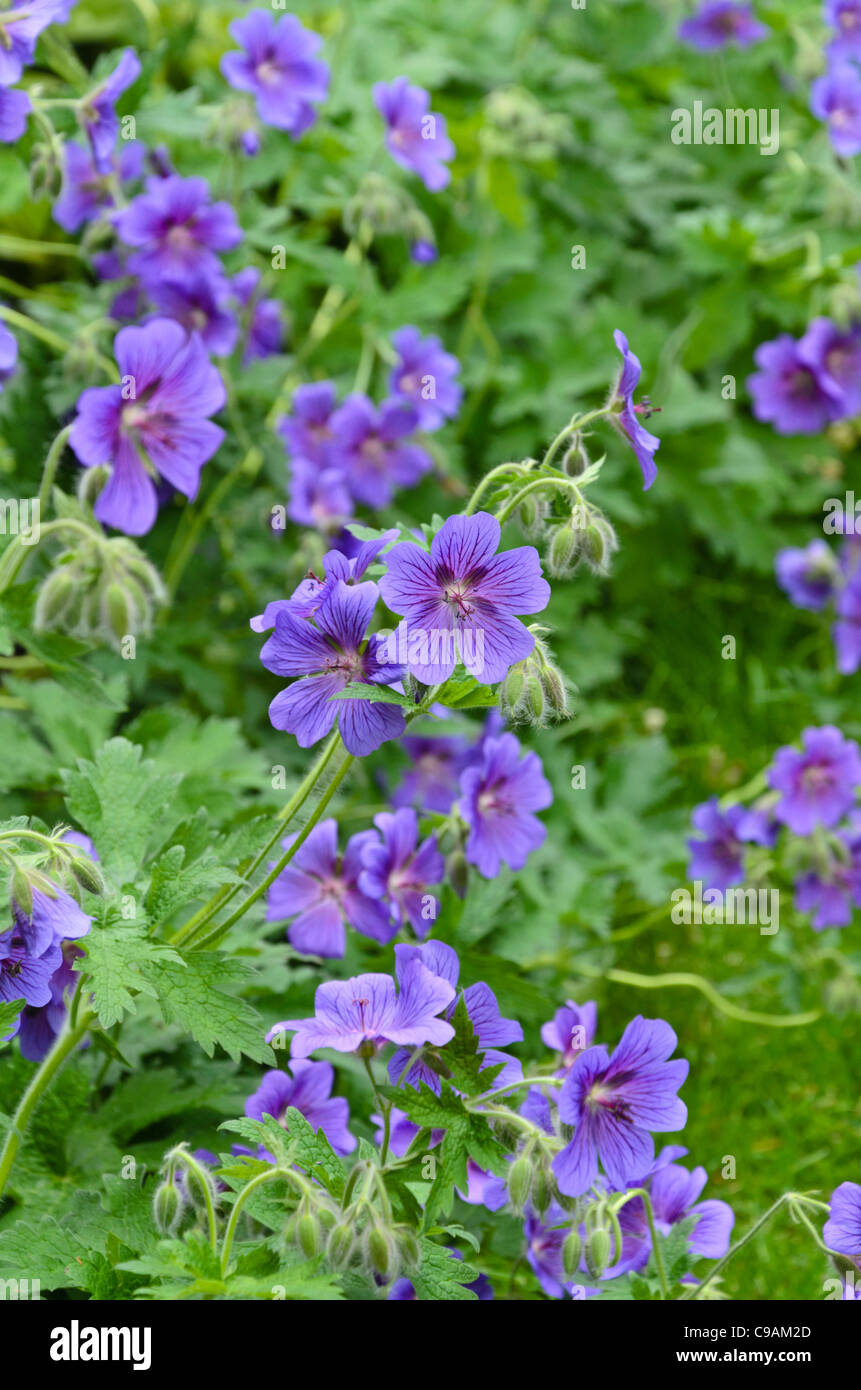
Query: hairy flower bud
{"points": [[562, 554], [381, 1251], [599, 544], [22, 892], [409, 1248], [457, 872], [309, 1235], [167, 1207], [339, 1246], [520, 1183], [572, 1249], [102, 590], [86, 873], [597, 1252]]}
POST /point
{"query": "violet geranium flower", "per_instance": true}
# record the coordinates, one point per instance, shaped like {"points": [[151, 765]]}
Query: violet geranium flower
{"points": [[424, 374], [415, 136], [836, 99], [615, 1102], [371, 448], [8, 354], [366, 1011], [718, 859], [674, 1194], [808, 576], [159, 431], [818, 785], [721, 22], [24, 975], [570, 1031], [40, 1025], [86, 192], [788, 393], [846, 632], [264, 318], [431, 782], [200, 304], [834, 354], [278, 67], [176, 230], [845, 16], [459, 601], [308, 1089], [327, 655], [842, 1230], [322, 887], [499, 796], [53, 917], [644, 444], [399, 871], [15, 107], [98, 109], [20, 27]]}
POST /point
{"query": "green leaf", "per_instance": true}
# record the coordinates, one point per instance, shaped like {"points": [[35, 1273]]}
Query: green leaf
{"points": [[441, 1276], [467, 1135], [175, 883], [293, 1140], [464, 1057], [466, 693], [120, 801], [190, 992], [374, 694], [115, 961], [8, 1014]]}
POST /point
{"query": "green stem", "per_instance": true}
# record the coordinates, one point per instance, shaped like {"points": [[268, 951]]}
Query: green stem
{"points": [[516, 1086], [575, 423], [565, 484], [188, 531], [196, 1168], [690, 981], [739, 1245], [190, 928], [52, 461], [221, 929], [237, 1208], [487, 481], [66, 1043]]}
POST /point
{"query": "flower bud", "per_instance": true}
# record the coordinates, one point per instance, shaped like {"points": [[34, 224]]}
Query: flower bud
{"points": [[117, 610], [597, 1252], [554, 690], [535, 698], [513, 686], [572, 1249], [339, 1246], [309, 1235], [542, 1190], [409, 1248], [457, 872], [381, 1252], [562, 555], [167, 1208], [599, 544], [520, 1183], [56, 597], [86, 873], [21, 890]]}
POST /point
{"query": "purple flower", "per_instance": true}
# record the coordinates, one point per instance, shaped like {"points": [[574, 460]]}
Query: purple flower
{"points": [[491, 1029], [323, 888], [788, 393], [425, 375], [8, 354], [307, 431], [312, 592], [97, 109], [842, 1230], [416, 136], [808, 576], [834, 355], [432, 781], [174, 387], [40, 1026], [309, 1090], [831, 891], [615, 1102], [570, 1031], [845, 15], [674, 1193], [721, 22], [459, 601], [328, 656], [817, 785], [24, 975], [365, 1012], [318, 498], [719, 858], [836, 98], [19, 32], [15, 107], [423, 252], [498, 798], [177, 230], [279, 69], [399, 871], [545, 1237], [54, 917], [86, 192], [370, 446], [199, 303], [644, 444], [264, 332], [847, 630]]}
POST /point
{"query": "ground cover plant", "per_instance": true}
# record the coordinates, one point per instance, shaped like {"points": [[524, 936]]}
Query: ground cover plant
{"points": [[430, 621]]}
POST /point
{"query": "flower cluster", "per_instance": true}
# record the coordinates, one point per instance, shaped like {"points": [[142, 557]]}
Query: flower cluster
{"points": [[358, 452], [813, 797], [814, 577], [20, 27], [806, 384], [836, 97]]}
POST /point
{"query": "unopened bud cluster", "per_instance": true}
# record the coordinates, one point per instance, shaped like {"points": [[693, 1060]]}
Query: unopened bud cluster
{"points": [[534, 692], [517, 127], [587, 537], [101, 590]]}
